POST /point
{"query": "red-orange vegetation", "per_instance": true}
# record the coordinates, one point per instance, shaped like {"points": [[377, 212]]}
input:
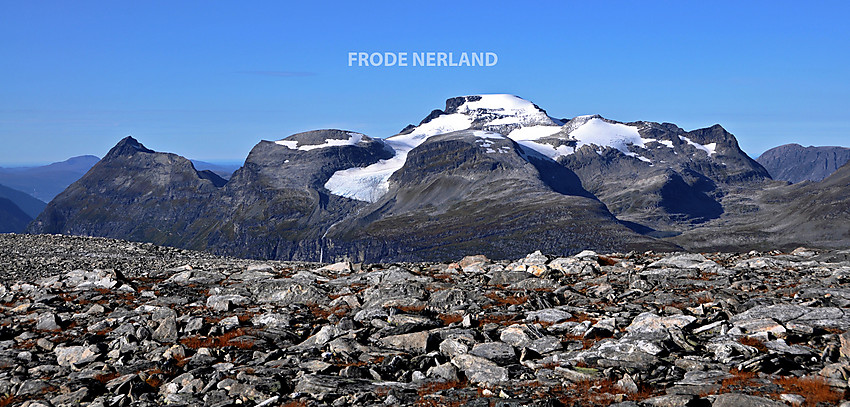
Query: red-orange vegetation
{"points": [[815, 389]]}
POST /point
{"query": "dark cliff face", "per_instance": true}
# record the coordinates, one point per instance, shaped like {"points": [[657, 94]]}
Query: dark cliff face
{"points": [[795, 163]]}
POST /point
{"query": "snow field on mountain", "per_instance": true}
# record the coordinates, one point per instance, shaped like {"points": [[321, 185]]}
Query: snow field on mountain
{"points": [[293, 144]]}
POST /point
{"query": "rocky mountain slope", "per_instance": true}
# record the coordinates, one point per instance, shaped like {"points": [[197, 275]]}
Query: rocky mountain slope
{"points": [[92, 321], [490, 174], [795, 163], [135, 193], [782, 216]]}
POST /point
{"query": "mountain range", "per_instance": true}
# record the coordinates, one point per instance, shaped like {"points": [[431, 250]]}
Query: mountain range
{"points": [[490, 174]]}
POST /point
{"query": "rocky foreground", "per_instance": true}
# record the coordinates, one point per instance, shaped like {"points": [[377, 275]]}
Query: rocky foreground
{"points": [[98, 322]]}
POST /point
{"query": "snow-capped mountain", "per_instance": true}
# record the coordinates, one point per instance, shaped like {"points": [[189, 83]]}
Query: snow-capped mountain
{"points": [[609, 156], [511, 117], [494, 113], [491, 174]]}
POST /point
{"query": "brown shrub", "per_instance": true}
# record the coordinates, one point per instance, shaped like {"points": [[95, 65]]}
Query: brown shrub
{"points": [[450, 318], [515, 299], [501, 319], [814, 389], [220, 341], [106, 377], [740, 378], [433, 387], [8, 400], [586, 343]]}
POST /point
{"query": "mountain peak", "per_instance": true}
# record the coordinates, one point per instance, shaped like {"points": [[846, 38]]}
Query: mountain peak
{"points": [[126, 147]]}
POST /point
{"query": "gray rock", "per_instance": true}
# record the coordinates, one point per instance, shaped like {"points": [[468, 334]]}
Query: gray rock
{"points": [[166, 331], [225, 302], [416, 342], [48, 322], [33, 387], [670, 400], [743, 400], [498, 352], [76, 356], [480, 370], [548, 315]]}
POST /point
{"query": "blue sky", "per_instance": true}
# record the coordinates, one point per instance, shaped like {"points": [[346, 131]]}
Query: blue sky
{"points": [[208, 80]]}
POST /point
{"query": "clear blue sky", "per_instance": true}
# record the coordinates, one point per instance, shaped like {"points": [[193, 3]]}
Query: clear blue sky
{"points": [[210, 79]]}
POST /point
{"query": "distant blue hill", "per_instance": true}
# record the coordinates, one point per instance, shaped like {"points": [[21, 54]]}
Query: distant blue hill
{"points": [[28, 204], [12, 218], [46, 181]]}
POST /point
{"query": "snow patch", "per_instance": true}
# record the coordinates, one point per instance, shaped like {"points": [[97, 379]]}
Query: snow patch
{"points": [[487, 135], [371, 182], [599, 132], [352, 140], [446, 123], [547, 149], [290, 144], [709, 148], [366, 183], [533, 132], [513, 109]]}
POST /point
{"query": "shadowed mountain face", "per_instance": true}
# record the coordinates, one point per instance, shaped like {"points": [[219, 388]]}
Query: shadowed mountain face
{"points": [[45, 182], [132, 193], [12, 218], [674, 180], [453, 197], [795, 163], [490, 174]]}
